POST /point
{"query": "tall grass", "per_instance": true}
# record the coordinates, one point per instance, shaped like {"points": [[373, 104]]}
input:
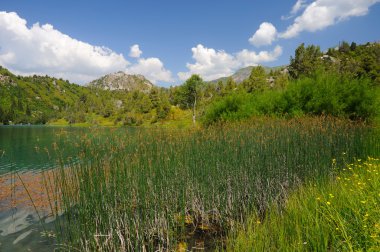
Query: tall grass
{"points": [[161, 190], [339, 215]]}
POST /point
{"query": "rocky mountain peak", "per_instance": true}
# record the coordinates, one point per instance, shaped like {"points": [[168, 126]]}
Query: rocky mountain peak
{"points": [[122, 81]]}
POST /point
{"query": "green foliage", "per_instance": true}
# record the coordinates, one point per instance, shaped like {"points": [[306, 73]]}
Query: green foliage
{"points": [[338, 215], [189, 92], [233, 107], [358, 61], [306, 61], [324, 93], [257, 81], [332, 94], [41, 99]]}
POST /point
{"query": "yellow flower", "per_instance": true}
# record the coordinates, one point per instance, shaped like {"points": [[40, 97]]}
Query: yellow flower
{"points": [[328, 203]]}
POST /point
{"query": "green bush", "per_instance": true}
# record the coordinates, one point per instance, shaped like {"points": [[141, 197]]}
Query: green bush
{"points": [[332, 94], [233, 107], [324, 93]]}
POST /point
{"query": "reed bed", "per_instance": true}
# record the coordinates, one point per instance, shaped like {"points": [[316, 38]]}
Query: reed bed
{"points": [[165, 190]]}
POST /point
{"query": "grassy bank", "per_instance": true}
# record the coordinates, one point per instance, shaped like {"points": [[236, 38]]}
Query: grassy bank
{"points": [[340, 215], [160, 189]]}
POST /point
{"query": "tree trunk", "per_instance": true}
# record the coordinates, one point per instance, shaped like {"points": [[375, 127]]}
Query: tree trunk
{"points": [[194, 105]]}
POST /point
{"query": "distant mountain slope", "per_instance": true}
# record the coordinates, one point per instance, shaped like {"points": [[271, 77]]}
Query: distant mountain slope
{"points": [[40, 99], [33, 99], [122, 81], [244, 73]]}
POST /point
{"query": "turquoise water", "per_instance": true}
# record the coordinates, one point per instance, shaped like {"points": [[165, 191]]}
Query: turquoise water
{"points": [[33, 147], [30, 149]]}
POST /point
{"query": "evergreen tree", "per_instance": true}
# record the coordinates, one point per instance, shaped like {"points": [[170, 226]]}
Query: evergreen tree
{"points": [[257, 81], [306, 61], [230, 84]]}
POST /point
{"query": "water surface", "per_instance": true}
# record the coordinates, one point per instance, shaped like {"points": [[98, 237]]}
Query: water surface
{"points": [[25, 151]]}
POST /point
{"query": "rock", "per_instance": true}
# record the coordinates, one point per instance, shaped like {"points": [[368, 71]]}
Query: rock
{"points": [[122, 81]]}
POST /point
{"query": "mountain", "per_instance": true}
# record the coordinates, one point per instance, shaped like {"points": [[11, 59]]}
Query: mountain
{"points": [[41, 99], [244, 73], [122, 81]]}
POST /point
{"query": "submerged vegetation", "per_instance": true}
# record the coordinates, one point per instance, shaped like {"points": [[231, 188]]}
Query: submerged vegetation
{"points": [[161, 190]]}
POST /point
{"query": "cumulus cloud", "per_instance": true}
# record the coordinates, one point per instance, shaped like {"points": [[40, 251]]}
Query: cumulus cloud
{"points": [[135, 51], [250, 58], [41, 49], [323, 13], [265, 35], [152, 68], [212, 64]]}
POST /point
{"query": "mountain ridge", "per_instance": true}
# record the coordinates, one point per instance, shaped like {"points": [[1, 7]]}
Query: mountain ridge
{"points": [[243, 74]]}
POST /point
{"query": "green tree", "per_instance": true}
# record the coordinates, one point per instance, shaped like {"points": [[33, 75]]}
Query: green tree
{"points": [[230, 85], [306, 61], [257, 81], [353, 46], [281, 80], [344, 47], [189, 94]]}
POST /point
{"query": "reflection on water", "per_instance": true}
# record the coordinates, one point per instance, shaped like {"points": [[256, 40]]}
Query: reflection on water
{"points": [[21, 230], [32, 152]]}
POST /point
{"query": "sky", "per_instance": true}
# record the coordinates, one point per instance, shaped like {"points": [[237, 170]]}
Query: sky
{"points": [[169, 40]]}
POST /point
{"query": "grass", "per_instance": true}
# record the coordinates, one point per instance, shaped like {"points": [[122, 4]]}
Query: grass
{"points": [[340, 215], [154, 189], [177, 119]]}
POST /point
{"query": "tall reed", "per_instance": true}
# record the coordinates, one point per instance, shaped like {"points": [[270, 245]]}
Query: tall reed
{"points": [[152, 189]]}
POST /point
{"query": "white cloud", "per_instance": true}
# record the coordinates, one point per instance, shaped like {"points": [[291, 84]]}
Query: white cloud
{"points": [[250, 58], [135, 51], [298, 6], [212, 64], [323, 13], [265, 35], [41, 49], [152, 68]]}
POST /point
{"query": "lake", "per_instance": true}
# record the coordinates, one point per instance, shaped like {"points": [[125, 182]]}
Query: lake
{"points": [[25, 151]]}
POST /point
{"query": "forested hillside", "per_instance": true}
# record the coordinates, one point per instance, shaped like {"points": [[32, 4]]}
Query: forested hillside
{"points": [[342, 82], [40, 99]]}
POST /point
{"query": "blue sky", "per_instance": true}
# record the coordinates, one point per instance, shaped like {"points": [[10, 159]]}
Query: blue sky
{"points": [[174, 38]]}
